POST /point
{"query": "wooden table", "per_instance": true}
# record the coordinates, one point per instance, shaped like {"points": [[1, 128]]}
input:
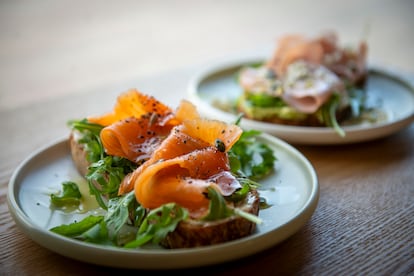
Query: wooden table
{"points": [[363, 223], [62, 60]]}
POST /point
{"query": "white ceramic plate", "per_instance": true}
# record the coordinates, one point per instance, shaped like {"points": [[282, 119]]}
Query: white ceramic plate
{"points": [[292, 191], [392, 92]]}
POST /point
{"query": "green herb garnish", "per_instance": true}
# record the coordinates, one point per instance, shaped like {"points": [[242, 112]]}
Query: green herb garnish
{"points": [[70, 195], [76, 229], [329, 110], [105, 171], [158, 223], [219, 209], [251, 158]]}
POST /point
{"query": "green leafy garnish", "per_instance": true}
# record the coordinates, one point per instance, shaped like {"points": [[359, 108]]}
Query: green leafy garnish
{"points": [[329, 114], [251, 158], [218, 209], [240, 194], [90, 139], [108, 174], [70, 195], [153, 227], [264, 100], [97, 234], [118, 212], [105, 170], [76, 229], [158, 223]]}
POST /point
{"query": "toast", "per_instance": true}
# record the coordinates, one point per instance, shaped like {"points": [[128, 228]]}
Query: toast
{"points": [[191, 232], [307, 82]]}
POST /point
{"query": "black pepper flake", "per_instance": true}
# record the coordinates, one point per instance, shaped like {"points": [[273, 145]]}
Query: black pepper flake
{"points": [[220, 145]]}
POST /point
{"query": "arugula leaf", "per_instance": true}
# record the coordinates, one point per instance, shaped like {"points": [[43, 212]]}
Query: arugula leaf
{"points": [[139, 215], [251, 158], [70, 195], [118, 212], [91, 229], [97, 234], [218, 208], [77, 228], [248, 216], [329, 114], [158, 223], [264, 100], [105, 170], [90, 139], [83, 125], [108, 173], [240, 194]]}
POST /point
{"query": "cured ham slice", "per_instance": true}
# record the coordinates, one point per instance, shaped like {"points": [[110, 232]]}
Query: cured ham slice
{"points": [[307, 86], [258, 80], [348, 64], [295, 47]]}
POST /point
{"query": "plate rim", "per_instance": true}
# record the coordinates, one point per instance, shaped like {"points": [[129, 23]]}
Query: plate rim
{"points": [[217, 68], [254, 244]]}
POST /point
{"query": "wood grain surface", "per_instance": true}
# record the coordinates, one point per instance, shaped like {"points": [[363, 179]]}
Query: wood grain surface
{"points": [[63, 60]]}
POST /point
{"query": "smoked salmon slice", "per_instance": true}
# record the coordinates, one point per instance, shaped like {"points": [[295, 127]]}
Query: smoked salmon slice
{"points": [[179, 153], [133, 103], [184, 165], [138, 124], [182, 180], [134, 139]]}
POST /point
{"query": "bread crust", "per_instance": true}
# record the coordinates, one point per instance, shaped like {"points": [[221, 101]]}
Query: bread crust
{"points": [[78, 153], [311, 120], [193, 233]]}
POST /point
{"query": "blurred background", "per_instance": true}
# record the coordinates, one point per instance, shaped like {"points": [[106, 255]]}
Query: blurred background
{"points": [[51, 48]]}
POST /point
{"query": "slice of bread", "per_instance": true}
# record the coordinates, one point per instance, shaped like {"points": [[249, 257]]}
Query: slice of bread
{"points": [[194, 233], [78, 153]]}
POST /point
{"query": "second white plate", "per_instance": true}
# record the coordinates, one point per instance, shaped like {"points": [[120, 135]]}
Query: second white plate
{"points": [[392, 92]]}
